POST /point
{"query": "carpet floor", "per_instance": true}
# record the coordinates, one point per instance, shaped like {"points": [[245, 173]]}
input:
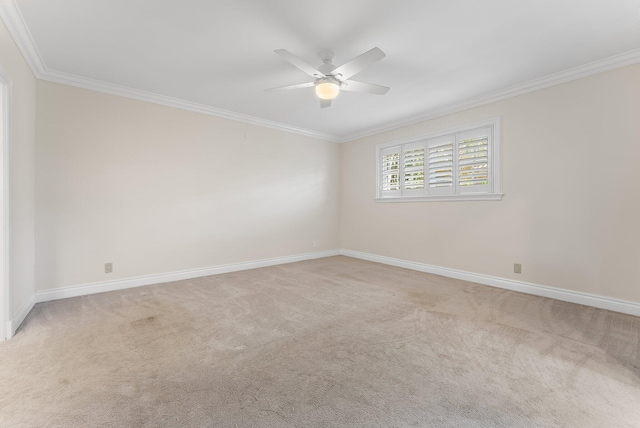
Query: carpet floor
{"points": [[328, 342]]}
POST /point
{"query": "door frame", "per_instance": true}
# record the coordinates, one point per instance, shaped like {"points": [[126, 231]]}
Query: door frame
{"points": [[5, 210]]}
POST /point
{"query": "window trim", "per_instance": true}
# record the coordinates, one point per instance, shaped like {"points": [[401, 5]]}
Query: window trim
{"points": [[495, 170]]}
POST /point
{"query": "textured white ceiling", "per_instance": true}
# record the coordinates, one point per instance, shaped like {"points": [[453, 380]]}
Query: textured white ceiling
{"points": [[220, 53]]}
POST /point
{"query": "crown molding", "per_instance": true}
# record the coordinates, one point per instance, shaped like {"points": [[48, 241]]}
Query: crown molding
{"points": [[589, 69], [10, 14], [123, 91], [12, 18], [21, 35], [600, 66]]}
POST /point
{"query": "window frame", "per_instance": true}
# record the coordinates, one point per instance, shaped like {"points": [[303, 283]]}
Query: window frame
{"points": [[492, 191]]}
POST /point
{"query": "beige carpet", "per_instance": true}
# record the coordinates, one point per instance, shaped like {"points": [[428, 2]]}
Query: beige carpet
{"points": [[330, 342]]}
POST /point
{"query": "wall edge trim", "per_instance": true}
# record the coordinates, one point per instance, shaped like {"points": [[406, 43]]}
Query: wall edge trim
{"points": [[121, 284], [13, 20], [585, 70], [596, 301], [21, 314], [10, 14], [593, 300], [154, 98]]}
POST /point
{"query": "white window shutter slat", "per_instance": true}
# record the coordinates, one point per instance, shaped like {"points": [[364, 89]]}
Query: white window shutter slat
{"points": [[440, 165], [390, 172], [413, 162], [473, 157]]}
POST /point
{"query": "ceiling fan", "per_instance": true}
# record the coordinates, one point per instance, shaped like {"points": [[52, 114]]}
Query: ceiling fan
{"points": [[330, 80]]}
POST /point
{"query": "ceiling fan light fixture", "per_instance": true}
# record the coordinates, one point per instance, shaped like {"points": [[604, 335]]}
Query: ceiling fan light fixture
{"points": [[329, 80], [327, 88]]}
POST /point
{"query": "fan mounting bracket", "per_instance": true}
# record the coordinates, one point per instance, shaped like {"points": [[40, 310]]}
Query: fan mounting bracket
{"points": [[327, 56]]}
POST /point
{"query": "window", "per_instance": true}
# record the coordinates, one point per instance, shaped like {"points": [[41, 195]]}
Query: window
{"points": [[461, 163]]}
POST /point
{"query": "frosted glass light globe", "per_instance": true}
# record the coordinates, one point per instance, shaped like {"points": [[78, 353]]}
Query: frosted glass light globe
{"points": [[327, 89]]}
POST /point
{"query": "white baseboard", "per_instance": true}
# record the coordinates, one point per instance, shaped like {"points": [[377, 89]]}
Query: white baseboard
{"points": [[593, 300], [20, 315], [596, 301], [119, 284]]}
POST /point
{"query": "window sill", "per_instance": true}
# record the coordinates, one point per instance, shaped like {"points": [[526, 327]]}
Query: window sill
{"points": [[441, 198]]}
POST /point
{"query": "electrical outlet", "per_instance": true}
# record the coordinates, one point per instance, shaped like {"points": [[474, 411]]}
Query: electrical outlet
{"points": [[108, 267], [517, 268], [314, 244]]}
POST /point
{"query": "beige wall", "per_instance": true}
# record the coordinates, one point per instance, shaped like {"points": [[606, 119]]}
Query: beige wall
{"points": [[155, 189], [22, 169], [571, 180]]}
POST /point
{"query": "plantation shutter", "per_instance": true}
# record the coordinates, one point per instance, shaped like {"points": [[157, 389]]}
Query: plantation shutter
{"points": [[413, 169], [440, 165], [455, 166], [390, 171], [473, 161]]}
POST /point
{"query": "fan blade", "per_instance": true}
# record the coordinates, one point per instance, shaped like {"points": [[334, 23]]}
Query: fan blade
{"points": [[298, 86], [325, 103], [367, 88], [302, 65], [358, 64]]}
